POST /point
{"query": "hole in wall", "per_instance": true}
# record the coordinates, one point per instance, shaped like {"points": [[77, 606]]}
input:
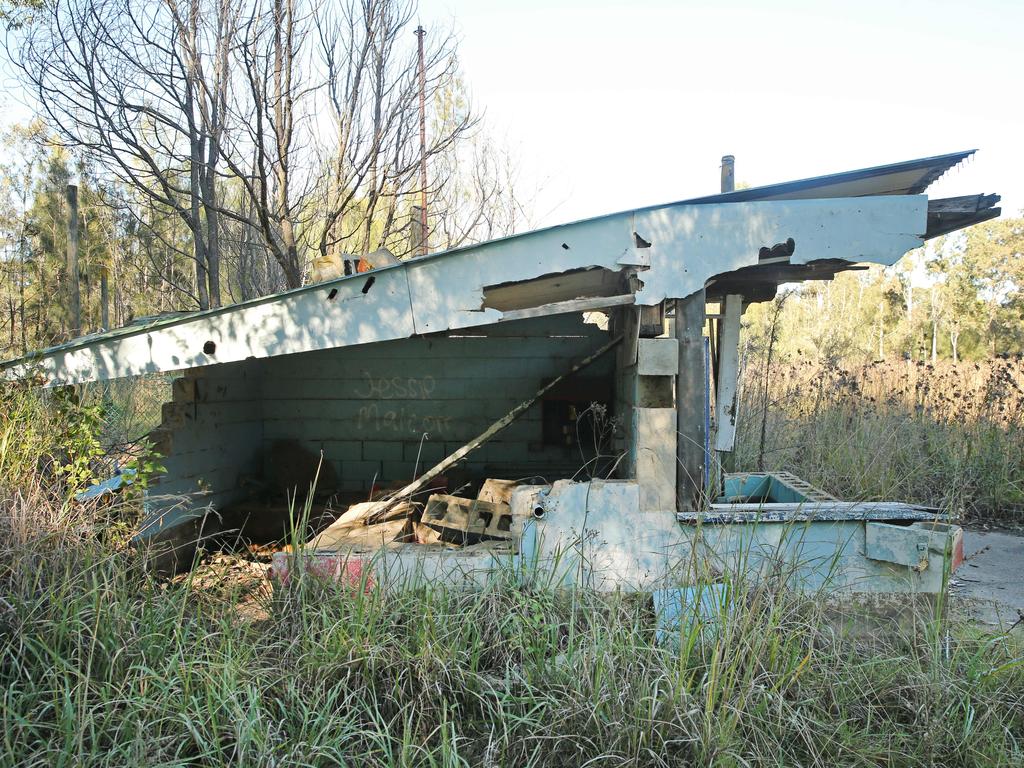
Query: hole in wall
{"points": [[538, 512], [369, 283], [565, 246], [209, 348], [333, 294], [778, 251], [654, 392], [557, 286], [639, 242]]}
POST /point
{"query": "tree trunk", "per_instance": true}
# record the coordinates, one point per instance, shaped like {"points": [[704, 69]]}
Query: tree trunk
{"points": [[198, 246], [212, 224], [21, 294]]}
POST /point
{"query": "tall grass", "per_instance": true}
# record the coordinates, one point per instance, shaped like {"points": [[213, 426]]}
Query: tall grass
{"points": [[100, 664], [947, 435]]}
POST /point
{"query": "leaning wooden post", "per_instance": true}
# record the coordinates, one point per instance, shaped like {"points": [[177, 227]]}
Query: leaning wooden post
{"points": [[691, 386], [74, 291]]}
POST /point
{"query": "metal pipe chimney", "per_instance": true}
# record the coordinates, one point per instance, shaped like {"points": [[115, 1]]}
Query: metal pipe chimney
{"points": [[728, 173]]}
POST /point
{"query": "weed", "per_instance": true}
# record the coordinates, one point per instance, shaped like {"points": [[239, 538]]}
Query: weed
{"points": [[947, 435]]}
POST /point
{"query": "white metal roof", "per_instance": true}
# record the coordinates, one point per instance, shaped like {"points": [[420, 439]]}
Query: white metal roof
{"points": [[671, 251]]}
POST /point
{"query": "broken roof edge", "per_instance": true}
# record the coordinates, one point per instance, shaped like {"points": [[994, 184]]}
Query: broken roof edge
{"points": [[935, 166], [691, 243]]}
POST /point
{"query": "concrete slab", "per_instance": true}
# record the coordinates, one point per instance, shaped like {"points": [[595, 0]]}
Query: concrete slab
{"points": [[989, 586]]}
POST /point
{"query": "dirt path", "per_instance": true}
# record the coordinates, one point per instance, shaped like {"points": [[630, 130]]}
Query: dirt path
{"points": [[991, 580]]}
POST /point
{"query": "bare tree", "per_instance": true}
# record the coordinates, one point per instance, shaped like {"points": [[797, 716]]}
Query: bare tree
{"points": [[269, 55], [371, 158], [477, 196], [126, 82], [256, 132]]}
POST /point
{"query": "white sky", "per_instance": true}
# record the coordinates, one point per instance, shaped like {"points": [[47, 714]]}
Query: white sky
{"points": [[618, 105], [612, 106]]}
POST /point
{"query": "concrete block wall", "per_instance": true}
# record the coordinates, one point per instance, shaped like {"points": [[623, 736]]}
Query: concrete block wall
{"points": [[368, 407], [645, 389], [210, 437]]}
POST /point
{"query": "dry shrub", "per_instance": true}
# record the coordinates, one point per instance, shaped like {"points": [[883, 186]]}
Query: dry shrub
{"points": [[944, 434]]}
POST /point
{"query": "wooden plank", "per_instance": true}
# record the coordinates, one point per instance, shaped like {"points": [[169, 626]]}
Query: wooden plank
{"points": [[630, 319], [726, 401], [808, 511], [962, 204], [575, 305], [652, 320], [363, 536], [943, 223], [691, 383], [549, 289]]}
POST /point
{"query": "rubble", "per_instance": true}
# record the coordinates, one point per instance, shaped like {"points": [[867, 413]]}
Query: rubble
{"points": [[445, 519]]}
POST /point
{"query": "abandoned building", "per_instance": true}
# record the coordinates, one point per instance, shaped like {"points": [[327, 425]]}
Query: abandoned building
{"points": [[591, 367]]}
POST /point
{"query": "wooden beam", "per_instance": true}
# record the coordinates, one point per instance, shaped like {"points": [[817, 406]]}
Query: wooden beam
{"points": [[652, 320], [691, 389], [963, 204], [561, 286], [944, 223], [574, 305], [728, 371], [808, 511]]}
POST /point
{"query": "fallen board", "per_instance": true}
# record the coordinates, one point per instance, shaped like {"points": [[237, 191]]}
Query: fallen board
{"points": [[808, 511], [363, 536]]}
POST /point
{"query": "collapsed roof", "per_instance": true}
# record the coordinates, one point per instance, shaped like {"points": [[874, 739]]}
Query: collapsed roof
{"points": [[747, 242]]}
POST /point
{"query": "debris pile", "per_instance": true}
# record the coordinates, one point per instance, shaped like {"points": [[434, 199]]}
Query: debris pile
{"points": [[446, 521]]}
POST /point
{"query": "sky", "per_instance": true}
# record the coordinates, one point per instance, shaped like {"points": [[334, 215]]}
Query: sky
{"points": [[612, 106]]}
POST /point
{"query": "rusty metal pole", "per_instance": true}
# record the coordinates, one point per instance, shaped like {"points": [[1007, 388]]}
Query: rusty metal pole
{"points": [[420, 33], [74, 290]]}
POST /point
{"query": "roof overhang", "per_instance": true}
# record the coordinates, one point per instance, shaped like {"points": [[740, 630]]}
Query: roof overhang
{"points": [[911, 177], [635, 257]]}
